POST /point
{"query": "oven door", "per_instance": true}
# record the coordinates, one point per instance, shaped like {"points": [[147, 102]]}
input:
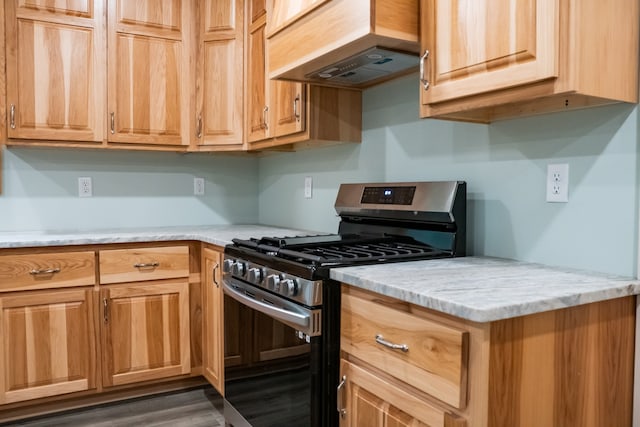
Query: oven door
{"points": [[272, 364]]}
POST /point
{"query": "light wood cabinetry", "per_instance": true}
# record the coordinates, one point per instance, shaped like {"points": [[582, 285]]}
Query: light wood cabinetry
{"points": [[553, 368], [145, 323], [274, 107], [494, 60], [47, 344], [22, 272], [145, 331], [47, 332], [213, 318], [56, 68], [289, 113], [374, 402], [220, 76], [149, 72], [94, 323]]}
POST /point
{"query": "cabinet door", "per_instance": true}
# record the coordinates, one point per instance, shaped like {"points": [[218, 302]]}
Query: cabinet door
{"points": [[145, 331], [220, 72], [257, 97], [288, 101], [213, 318], [47, 344], [366, 399], [148, 71], [486, 45], [56, 63]]}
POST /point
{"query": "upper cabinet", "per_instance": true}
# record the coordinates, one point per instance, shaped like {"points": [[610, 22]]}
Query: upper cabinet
{"points": [[149, 70], [284, 113], [488, 60], [158, 75], [55, 53], [351, 43], [220, 73]]}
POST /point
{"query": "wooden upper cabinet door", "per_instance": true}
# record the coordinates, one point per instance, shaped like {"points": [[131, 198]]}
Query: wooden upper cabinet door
{"points": [[486, 45], [257, 106], [288, 101], [148, 68], [145, 331], [56, 65], [213, 319], [220, 73], [47, 344]]}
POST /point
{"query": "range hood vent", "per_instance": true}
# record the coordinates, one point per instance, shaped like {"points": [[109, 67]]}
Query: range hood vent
{"points": [[343, 43], [368, 66]]}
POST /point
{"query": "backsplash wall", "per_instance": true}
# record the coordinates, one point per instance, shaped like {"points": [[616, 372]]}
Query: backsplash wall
{"points": [[130, 189], [504, 165]]}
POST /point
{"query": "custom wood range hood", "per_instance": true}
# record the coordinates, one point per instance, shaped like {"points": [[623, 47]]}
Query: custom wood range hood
{"points": [[353, 43]]}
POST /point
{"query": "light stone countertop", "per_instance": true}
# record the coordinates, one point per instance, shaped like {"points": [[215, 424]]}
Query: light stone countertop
{"points": [[484, 289], [215, 234], [480, 289]]}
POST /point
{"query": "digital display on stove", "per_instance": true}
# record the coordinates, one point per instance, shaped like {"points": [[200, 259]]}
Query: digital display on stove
{"points": [[388, 195]]}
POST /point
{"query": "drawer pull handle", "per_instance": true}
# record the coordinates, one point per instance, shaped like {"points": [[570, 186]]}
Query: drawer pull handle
{"points": [[44, 271], [380, 340], [147, 264], [341, 410]]}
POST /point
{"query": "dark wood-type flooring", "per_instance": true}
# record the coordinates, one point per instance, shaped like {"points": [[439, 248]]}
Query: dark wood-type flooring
{"points": [[193, 408]]}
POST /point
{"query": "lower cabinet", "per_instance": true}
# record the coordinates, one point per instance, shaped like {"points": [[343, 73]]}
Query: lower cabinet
{"points": [[405, 365], [145, 332], [213, 318], [369, 400], [47, 344]]}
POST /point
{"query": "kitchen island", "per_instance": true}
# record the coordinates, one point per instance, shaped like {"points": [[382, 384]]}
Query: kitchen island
{"points": [[492, 342]]}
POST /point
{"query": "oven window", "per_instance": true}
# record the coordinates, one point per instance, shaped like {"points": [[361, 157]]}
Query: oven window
{"points": [[269, 370]]}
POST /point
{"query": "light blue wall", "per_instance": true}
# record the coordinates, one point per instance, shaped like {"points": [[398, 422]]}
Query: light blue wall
{"points": [[130, 189], [504, 165]]}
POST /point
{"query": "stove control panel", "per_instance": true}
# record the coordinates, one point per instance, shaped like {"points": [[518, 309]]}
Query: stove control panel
{"points": [[307, 292]]}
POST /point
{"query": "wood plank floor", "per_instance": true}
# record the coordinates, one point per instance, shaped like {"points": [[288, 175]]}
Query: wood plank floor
{"points": [[201, 407]]}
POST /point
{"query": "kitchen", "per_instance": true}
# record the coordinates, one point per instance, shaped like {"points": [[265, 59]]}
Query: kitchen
{"points": [[503, 163]]}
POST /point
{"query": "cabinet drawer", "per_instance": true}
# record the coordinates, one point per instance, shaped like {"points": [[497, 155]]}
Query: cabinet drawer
{"points": [[133, 265], [46, 270], [436, 357]]}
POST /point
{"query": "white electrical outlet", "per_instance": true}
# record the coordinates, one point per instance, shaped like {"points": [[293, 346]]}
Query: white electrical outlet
{"points": [[308, 185], [198, 186], [558, 183], [85, 188]]}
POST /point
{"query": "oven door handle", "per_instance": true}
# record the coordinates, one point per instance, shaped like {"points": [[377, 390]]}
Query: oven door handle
{"points": [[298, 319]]}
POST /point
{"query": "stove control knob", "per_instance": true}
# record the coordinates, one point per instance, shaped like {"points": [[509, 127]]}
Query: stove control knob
{"points": [[290, 287], [239, 268], [254, 275], [226, 265], [273, 282]]}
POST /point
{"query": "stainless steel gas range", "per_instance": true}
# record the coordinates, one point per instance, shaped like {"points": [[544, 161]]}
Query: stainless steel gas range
{"points": [[282, 364]]}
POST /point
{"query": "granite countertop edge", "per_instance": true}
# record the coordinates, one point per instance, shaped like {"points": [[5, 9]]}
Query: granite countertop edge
{"points": [[479, 289], [486, 289]]}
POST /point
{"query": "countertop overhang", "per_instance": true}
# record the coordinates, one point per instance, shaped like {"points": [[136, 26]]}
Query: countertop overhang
{"points": [[480, 289]]}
